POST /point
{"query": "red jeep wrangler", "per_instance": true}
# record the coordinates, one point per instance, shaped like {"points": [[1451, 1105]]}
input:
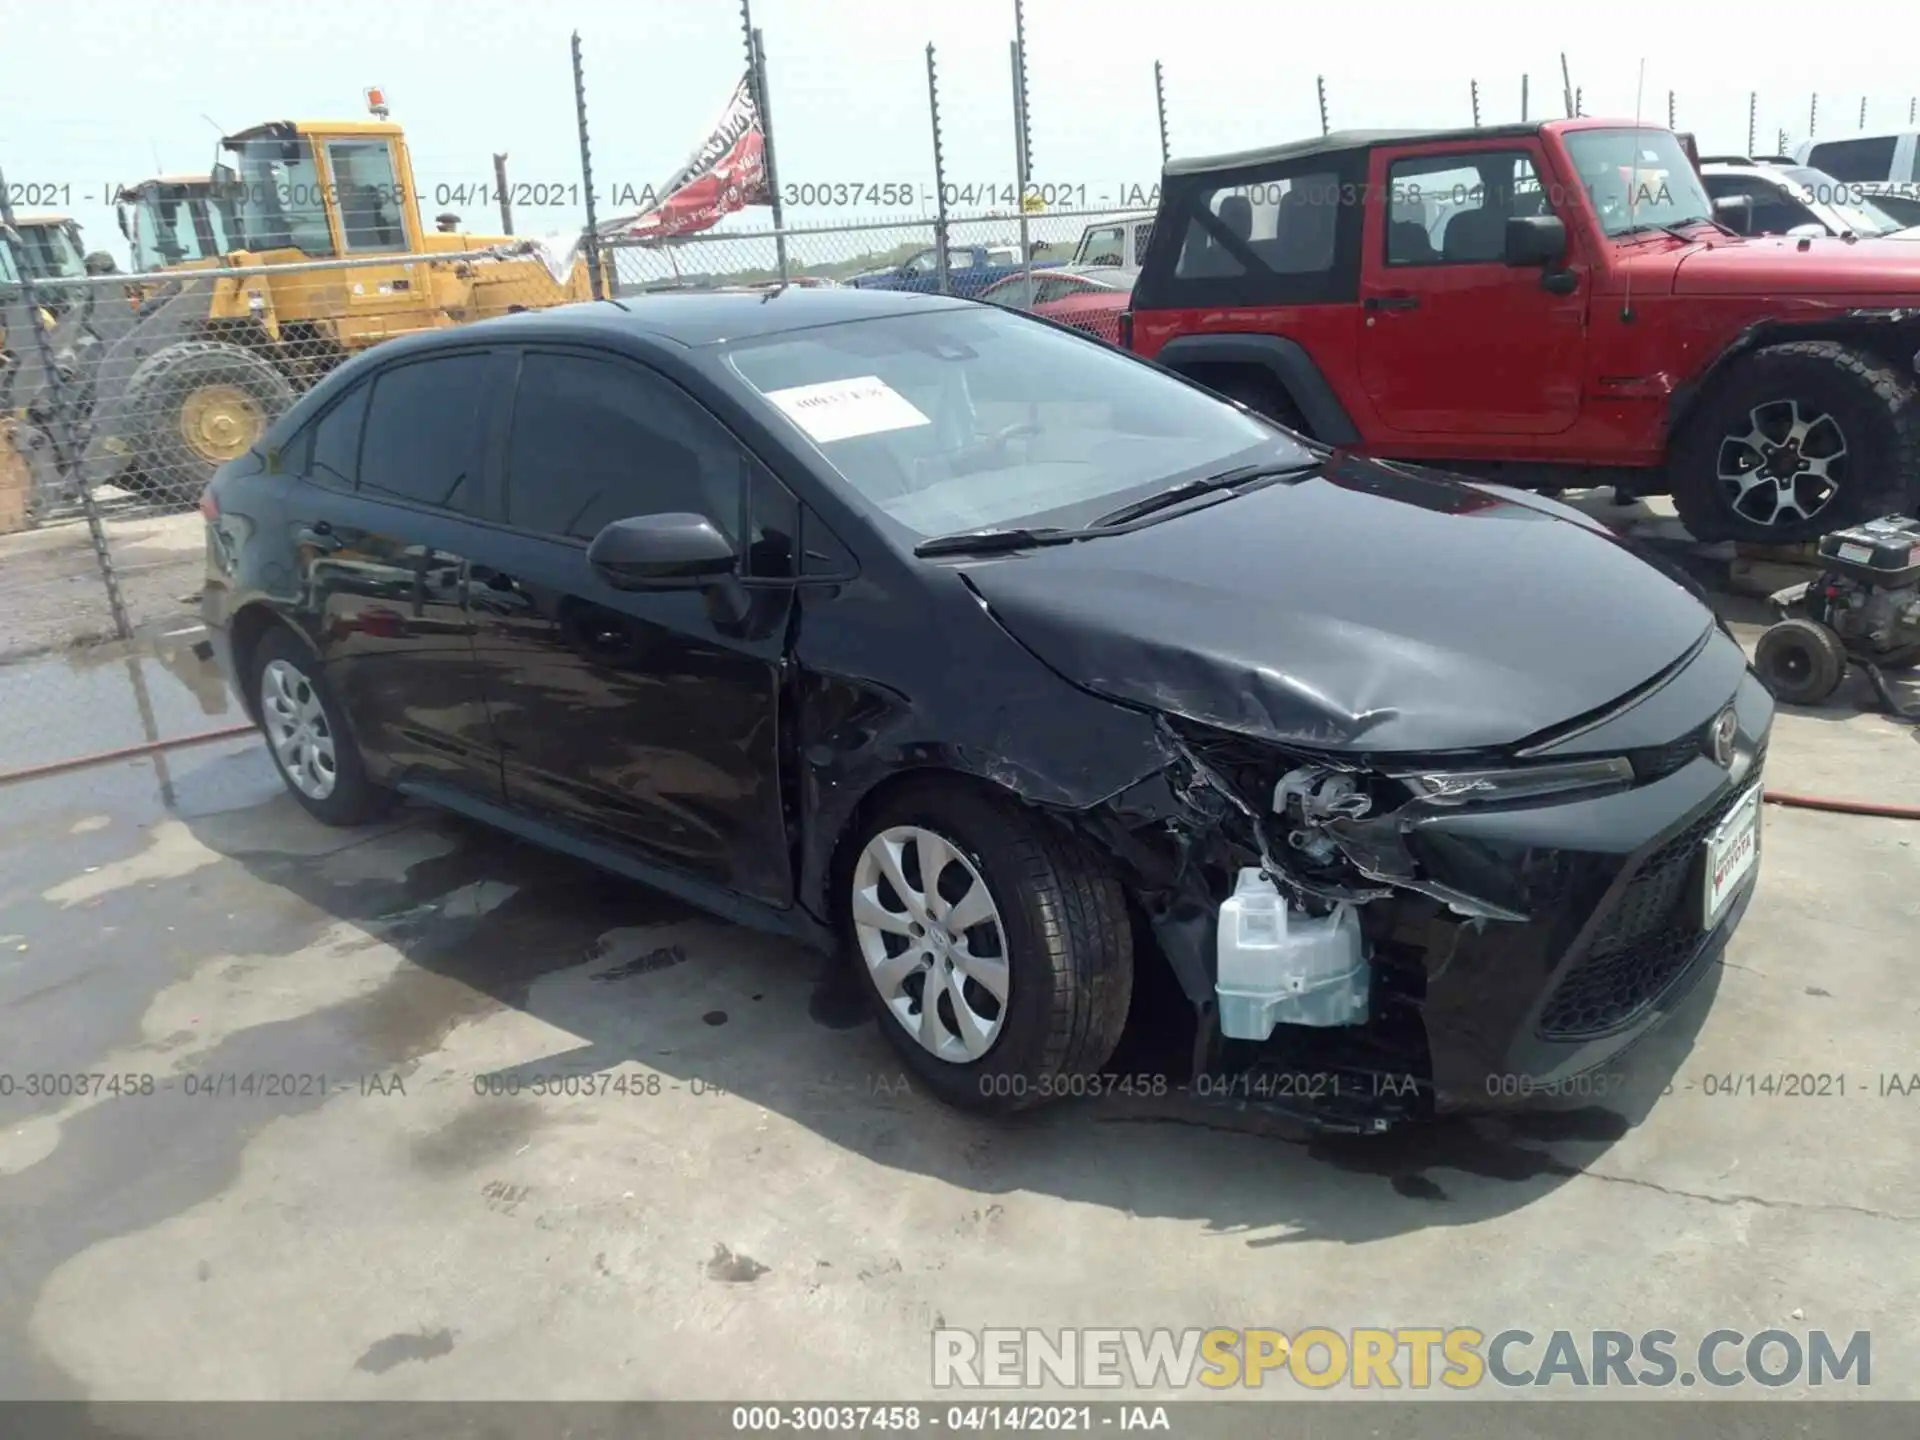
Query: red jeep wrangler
{"points": [[1548, 306]]}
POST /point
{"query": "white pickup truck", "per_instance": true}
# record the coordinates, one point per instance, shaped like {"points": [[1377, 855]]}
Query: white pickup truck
{"points": [[1119, 242], [1883, 168]]}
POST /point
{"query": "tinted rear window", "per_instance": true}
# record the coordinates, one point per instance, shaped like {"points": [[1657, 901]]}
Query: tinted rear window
{"points": [[1856, 160], [422, 438]]}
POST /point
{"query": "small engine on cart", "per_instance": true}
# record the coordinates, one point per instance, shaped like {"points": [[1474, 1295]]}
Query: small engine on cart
{"points": [[1864, 608]]}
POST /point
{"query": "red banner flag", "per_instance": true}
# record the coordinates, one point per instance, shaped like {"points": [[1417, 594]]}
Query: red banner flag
{"points": [[728, 172]]}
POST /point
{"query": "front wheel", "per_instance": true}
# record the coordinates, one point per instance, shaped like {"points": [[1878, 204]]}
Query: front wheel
{"points": [[995, 948], [1799, 440]]}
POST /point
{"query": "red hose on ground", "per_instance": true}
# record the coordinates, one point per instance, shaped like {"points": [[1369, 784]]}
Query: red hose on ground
{"points": [[130, 752], [1841, 807]]}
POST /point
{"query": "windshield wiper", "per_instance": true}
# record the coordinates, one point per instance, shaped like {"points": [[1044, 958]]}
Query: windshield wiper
{"points": [[984, 542], [1192, 489]]}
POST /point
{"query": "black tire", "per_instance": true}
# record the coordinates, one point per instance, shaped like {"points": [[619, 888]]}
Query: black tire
{"points": [[170, 465], [1800, 661], [353, 800], [1872, 407], [1068, 946]]}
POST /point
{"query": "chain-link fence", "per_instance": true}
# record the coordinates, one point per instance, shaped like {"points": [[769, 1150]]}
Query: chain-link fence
{"points": [[122, 394], [1073, 266]]}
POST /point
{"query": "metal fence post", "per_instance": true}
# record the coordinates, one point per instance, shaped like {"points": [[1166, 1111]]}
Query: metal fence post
{"points": [[594, 277], [757, 83], [60, 435], [505, 195], [1320, 85], [1523, 98], [1473, 89], [939, 176], [1022, 139], [1160, 106]]}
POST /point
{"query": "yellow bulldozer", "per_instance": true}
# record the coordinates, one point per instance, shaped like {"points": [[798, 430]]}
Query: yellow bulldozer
{"points": [[192, 372]]}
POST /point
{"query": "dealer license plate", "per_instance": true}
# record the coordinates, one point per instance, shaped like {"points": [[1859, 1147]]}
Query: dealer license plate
{"points": [[1733, 849]]}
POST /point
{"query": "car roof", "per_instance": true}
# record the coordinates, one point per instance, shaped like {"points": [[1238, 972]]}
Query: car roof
{"points": [[1338, 142], [696, 318]]}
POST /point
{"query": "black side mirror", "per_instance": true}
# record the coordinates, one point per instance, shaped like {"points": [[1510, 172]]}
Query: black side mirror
{"points": [[1735, 211], [662, 552], [1535, 240]]}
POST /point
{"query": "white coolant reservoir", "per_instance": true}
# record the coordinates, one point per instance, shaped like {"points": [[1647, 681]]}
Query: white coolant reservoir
{"points": [[1281, 966]]}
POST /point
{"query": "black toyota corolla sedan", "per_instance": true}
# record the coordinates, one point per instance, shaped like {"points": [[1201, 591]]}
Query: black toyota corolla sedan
{"points": [[1007, 665]]}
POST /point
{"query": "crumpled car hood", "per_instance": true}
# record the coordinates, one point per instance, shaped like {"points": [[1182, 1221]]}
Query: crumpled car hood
{"points": [[1371, 608]]}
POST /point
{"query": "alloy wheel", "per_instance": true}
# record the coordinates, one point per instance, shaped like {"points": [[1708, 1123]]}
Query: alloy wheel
{"points": [[932, 938], [298, 730], [1788, 465]]}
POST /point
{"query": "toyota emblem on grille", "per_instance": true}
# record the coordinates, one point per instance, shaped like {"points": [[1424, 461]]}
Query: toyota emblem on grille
{"points": [[1720, 741]]}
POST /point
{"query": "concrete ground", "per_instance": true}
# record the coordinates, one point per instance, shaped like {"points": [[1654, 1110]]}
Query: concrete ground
{"points": [[52, 596], [768, 1210]]}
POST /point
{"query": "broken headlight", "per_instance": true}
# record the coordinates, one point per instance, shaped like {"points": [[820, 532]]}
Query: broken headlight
{"points": [[1523, 782]]}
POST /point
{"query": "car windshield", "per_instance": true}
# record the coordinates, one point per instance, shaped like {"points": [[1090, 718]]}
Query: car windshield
{"points": [[961, 419], [1854, 210], [1638, 179]]}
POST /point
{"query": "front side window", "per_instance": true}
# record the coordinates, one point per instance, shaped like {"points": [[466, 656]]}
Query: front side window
{"points": [[594, 441], [279, 200], [423, 428], [1637, 180], [371, 212], [957, 419], [1453, 209]]}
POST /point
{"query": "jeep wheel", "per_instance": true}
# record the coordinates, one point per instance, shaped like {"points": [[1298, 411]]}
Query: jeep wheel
{"points": [[199, 405], [1801, 439], [1260, 395]]}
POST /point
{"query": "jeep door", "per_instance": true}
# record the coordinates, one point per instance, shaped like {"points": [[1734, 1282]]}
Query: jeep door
{"points": [[1454, 341]]}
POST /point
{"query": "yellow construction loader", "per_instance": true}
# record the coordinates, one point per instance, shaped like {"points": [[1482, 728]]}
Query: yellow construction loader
{"points": [[195, 370]]}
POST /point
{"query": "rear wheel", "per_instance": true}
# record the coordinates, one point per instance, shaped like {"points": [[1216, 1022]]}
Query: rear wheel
{"points": [[996, 949], [1260, 393], [1801, 439], [1800, 661], [312, 747], [199, 405]]}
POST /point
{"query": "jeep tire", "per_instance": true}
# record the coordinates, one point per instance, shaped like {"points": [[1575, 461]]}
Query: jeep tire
{"points": [[1796, 441]]}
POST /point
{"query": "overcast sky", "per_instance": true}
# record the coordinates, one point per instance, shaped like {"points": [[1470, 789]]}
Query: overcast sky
{"points": [[100, 92]]}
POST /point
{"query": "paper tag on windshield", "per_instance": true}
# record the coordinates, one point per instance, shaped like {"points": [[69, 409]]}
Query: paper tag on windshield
{"points": [[843, 409]]}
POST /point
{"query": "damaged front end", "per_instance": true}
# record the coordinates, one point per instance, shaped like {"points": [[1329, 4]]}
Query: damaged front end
{"points": [[1367, 944]]}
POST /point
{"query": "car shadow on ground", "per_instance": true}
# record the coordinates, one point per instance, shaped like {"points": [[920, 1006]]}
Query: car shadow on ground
{"points": [[635, 976]]}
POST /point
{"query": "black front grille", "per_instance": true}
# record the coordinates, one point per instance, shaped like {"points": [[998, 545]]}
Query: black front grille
{"points": [[1646, 937], [1656, 762]]}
